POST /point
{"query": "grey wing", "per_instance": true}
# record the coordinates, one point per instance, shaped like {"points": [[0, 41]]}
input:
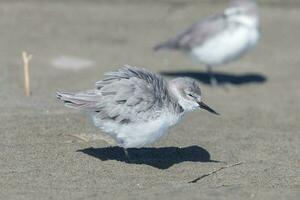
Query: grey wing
{"points": [[197, 34], [126, 95]]}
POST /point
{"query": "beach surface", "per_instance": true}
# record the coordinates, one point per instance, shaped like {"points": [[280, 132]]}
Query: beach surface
{"points": [[52, 152]]}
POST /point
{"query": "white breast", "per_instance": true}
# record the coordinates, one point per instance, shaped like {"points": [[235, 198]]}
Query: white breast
{"points": [[139, 134], [227, 46]]}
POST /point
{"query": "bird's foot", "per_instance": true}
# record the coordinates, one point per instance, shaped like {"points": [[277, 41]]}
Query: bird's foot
{"points": [[213, 82], [127, 155]]}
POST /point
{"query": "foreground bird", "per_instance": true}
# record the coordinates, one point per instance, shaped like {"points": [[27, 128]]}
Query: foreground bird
{"points": [[219, 39], [134, 106]]}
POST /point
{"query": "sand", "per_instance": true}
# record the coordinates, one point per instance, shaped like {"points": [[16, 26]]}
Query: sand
{"points": [[259, 102]]}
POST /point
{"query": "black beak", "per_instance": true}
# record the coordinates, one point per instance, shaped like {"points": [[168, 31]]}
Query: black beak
{"points": [[206, 107]]}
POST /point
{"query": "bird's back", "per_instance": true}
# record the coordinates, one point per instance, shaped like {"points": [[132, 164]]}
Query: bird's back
{"points": [[124, 96], [197, 34]]}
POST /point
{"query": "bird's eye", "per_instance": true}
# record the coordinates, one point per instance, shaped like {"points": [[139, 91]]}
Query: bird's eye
{"points": [[190, 95]]}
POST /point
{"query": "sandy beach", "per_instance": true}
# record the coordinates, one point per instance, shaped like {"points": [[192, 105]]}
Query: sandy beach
{"points": [[74, 42]]}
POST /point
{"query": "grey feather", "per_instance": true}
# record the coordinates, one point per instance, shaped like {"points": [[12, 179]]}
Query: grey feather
{"points": [[197, 34], [81, 100], [126, 95]]}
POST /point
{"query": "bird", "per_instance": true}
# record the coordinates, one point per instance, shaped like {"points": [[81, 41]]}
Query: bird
{"points": [[134, 106], [219, 39]]}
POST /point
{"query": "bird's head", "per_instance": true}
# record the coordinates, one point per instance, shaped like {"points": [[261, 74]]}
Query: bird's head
{"points": [[188, 93], [243, 11]]}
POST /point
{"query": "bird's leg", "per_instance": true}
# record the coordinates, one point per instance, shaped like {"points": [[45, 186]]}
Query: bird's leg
{"points": [[212, 78], [126, 154]]}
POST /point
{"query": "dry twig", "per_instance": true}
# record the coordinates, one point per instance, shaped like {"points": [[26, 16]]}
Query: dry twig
{"points": [[215, 171], [26, 59], [79, 137]]}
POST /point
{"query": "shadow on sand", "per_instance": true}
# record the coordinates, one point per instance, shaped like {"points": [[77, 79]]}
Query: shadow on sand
{"points": [[222, 78], [161, 158]]}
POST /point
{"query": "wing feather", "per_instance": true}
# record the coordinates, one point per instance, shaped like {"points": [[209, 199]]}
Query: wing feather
{"points": [[122, 96], [197, 34]]}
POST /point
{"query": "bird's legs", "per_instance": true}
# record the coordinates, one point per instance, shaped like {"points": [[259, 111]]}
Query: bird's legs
{"points": [[126, 154], [212, 78]]}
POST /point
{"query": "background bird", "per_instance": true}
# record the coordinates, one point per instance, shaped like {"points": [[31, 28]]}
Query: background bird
{"points": [[219, 39], [134, 106]]}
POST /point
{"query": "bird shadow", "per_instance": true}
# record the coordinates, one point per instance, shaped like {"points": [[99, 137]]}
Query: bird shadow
{"points": [[161, 158], [222, 78]]}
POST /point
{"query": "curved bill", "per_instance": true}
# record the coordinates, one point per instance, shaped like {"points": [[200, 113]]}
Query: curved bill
{"points": [[206, 107]]}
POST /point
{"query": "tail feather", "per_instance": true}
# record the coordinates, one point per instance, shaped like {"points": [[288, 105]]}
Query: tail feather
{"points": [[170, 44], [79, 101]]}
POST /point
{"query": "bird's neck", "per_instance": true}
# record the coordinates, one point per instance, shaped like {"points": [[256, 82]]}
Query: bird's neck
{"points": [[245, 20], [173, 101]]}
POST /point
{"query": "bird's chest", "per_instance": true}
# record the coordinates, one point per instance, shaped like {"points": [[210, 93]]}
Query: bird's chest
{"points": [[239, 37], [148, 132], [227, 46], [156, 128]]}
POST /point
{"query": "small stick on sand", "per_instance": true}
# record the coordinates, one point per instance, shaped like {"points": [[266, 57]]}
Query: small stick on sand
{"points": [[84, 139], [26, 59], [213, 172]]}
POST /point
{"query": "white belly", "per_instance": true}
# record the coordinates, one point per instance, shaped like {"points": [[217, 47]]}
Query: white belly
{"points": [[135, 135], [226, 47]]}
